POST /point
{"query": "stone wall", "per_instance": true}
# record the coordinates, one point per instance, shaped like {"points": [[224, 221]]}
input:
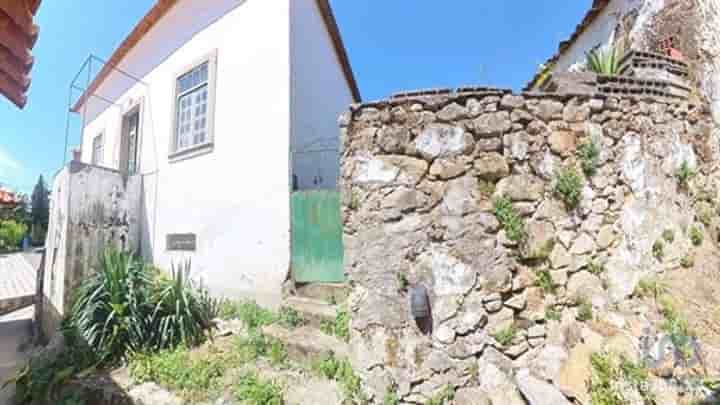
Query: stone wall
{"points": [[91, 208], [421, 173]]}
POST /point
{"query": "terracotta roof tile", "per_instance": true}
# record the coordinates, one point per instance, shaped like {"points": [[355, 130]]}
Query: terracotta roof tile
{"points": [[18, 35]]}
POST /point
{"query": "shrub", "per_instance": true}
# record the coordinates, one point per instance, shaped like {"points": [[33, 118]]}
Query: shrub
{"points": [[605, 61], [668, 235], [505, 336], [696, 236], [509, 219], [11, 234], [252, 390], [545, 281], [684, 174], [585, 312], [568, 186], [658, 250], [589, 154], [128, 306], [340, 327]]}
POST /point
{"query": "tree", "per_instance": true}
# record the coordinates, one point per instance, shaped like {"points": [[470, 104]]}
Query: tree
{"points": [[40, 211]]}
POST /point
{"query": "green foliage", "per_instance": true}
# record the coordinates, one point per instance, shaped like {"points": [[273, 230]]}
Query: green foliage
{"points": [[610, 373], [678, 328], [176, 369], [391, 397], [585, 312], [339, 327], [127, 306], [11, 234], [658, 250], [705, 214], [252, 390], [589, 154], [687, 261], [552, 314], [40, 213], [341, 371], [545, 281], [684, 174], [669, 235], [354, 200], [696, 236], [650, 287], [486, 188], [605, 61], [403, 282], [72, 398], [445, 396], [509, 219], [253, 315], [568, 186], [290, 318], [596, 268], [505, 336], [255, 345]]}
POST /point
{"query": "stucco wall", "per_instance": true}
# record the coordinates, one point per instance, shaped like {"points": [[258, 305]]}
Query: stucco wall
{"points": [[319, 94], [420, 179]]}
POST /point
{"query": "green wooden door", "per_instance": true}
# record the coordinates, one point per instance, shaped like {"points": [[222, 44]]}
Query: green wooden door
{"points": [[317, 248]]}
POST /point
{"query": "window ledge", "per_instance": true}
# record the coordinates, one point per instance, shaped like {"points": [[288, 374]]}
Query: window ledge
{"points": [[192, 152]]}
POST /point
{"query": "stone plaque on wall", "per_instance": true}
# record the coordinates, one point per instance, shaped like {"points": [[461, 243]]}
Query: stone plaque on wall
{"points": [[182, 242]]}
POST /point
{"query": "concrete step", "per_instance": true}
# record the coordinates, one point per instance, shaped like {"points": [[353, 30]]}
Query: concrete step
{"points": [[328, 292], [313, 311], [306, 344]]}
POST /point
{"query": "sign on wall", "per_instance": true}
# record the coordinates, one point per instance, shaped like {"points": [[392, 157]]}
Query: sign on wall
{"points": [[186, 242]]}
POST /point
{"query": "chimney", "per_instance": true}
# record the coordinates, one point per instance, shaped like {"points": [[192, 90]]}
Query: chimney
{"points": [[76, 155]]}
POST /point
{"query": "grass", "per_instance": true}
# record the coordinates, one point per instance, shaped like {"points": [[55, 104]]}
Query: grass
{"points": [[252, 315], [658, 250], [589, 154], [552, 314], [509, 219], [684, 174], [252, 390], [668, 235], [611, 373], [585, 312], [545, 281], [506, 336], [342, 372], [650, 287], [677, 327], [256, 345], [339, 327], [596, 268], [568, 186], [445, 396], [290, 318], [391, 397], [688, 261], [696, 236]]}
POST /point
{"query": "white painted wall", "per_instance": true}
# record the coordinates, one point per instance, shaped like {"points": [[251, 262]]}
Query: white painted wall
{"points": [[235, 198], [320, 93]]}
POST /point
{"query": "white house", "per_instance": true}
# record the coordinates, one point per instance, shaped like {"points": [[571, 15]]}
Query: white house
{"points": [[219, 109]]}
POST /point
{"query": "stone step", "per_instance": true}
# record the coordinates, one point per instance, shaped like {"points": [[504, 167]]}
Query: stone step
{"points": [[328, 292], [313, 311], [306, 344]]}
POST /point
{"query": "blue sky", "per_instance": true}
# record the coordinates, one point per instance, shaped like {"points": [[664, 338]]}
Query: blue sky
{"points": [[394, 45]]}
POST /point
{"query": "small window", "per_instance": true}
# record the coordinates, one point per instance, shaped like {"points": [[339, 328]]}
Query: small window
{"points": [[194, 95], [98, 149]]}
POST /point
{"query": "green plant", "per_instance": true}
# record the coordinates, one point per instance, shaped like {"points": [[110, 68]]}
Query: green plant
{"points": [[177, 370], [610, 373], [505, 336], [568, 186], [552, 314], [445, 396], [696, 236], [290, 318], [669, 235], [509, 219], [341, 371], [605, 61], [596, 268], [252, 390], [589, 154], [545, 281], [253, 315], [354, 200], [72, 398], [684, 174], [650, 287], [391, 397], [403, 282], [658, 250], [486, 188], [340, 326], [678, 329], [11, 234], [585, 312], [687, 261]]}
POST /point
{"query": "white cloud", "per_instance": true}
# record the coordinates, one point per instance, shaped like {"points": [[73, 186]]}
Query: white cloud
{"points": [[8, 164]]}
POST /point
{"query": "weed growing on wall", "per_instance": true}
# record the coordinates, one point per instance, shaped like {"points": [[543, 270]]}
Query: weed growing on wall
{"points": [[589, 154], [252, 390], [684, 174], [545, 281], [445, 396], [509, 219], [506, 336], [341, 371], [596, 268], [585, 312], [687, 261], [568, 186], [611, 373], [650, 288], [658, 250], [696, 236], [339, 327], [668, 235]]}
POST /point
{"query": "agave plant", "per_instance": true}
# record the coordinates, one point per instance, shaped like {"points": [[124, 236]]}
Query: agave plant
{"points": [[112, 313], [605, 61]]}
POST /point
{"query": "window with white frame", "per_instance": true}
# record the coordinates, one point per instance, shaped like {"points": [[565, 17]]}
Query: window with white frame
{"points": [[194, 93], [98, 149]]}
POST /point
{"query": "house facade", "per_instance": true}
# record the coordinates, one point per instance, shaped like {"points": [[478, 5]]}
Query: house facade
{"points": [[200, 126]]}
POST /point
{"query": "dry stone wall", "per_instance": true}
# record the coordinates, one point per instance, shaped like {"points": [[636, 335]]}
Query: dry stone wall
{"points": [[422, 176]]}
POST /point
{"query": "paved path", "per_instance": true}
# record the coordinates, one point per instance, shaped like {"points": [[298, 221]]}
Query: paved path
{"points": [[17, 275], [15, 331]]}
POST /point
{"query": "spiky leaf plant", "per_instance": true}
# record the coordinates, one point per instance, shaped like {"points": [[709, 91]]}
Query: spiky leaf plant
{"points": [[605, 61]]}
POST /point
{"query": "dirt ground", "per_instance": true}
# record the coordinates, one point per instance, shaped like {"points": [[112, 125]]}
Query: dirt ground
{"points": [[15, 331]]}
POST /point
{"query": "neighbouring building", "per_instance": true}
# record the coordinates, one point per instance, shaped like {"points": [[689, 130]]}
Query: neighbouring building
{"points": [[195, 133], [18, 34]]}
